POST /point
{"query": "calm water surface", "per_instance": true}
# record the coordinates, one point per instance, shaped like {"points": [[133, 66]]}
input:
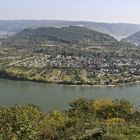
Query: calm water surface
{"points": [[56, 97]]}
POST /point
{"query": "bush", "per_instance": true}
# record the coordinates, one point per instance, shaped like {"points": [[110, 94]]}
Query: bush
{"points": [[86, 119], [20, 122], [115, 121], [108, 108]]}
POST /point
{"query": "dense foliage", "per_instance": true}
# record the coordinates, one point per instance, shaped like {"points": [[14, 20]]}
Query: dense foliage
{"points": [[86, 119], [72, 35], [133, 39], [117, 30]]}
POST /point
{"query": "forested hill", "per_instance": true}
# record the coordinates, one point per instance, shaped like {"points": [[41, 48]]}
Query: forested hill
{"points": [[117, 30], [134, 39], [72, 35]]}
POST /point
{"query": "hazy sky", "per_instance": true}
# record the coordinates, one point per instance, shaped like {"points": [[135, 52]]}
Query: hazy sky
{"points": [[89, 10]]}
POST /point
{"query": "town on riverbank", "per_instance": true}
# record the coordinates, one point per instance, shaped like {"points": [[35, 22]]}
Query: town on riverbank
{"points": [[88, 58]]}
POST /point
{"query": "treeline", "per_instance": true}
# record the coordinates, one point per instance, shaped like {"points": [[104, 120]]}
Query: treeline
{"points": [[103, 119], [68, 76], [68, 35]]}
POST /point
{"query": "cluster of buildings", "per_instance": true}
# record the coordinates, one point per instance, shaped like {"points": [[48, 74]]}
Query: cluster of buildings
{"points": [[97, 65], [4, 34]]}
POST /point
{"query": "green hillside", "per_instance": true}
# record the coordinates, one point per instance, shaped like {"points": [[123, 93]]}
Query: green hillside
{"points": [[134, 39], [117, 30], [72, 35]]}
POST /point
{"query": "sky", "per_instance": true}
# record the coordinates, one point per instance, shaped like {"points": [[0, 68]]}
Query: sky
{"points": [[113, 11]]}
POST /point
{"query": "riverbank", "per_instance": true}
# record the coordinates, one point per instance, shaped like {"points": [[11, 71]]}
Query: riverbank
{"points": [[65, 77], [66, 83]]}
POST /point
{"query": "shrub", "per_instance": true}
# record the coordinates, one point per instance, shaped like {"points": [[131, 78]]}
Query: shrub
{"points": [[115, 121], [108, 108]]}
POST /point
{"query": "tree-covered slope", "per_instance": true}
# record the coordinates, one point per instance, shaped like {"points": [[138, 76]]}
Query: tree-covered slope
{"points": [[134, 39], [117, 30], [72, 35]]}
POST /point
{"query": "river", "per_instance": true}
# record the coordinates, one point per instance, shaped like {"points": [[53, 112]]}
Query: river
{"points": [[56, 97]]}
